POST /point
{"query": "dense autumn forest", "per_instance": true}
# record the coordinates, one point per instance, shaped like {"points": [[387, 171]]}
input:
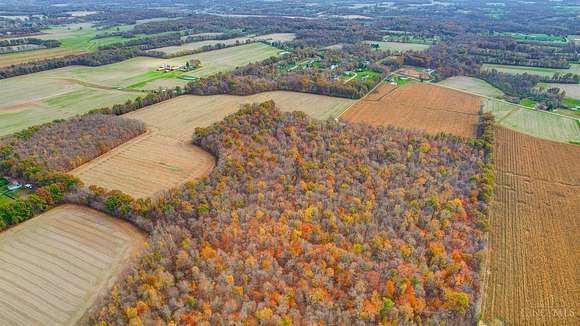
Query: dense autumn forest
{"points": [[307, 221]]}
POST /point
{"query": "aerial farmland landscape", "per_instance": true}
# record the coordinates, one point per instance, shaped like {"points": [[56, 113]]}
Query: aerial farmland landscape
{"points": [[410, 162]]}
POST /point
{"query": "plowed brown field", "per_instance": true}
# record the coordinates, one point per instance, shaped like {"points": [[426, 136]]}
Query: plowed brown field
{"points": [[54, 266], [535, 231], [420, 106]]}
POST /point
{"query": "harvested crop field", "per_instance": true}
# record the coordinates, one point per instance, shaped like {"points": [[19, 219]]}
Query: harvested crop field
{"points": [[280, 37], [277, 37], [164, 158], [471, 85], [414, 73], [198, 45], [179, 117], [534, 250], [147, 165], [54, 266], [57, 94], [532, 122], [35, 55], [48, 98], [426, 107], [401, 47]]}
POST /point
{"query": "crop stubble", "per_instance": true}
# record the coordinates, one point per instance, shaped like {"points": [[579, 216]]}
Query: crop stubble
{"points": [[147, 165], [53, 267], [534, 250], [164, 157]]}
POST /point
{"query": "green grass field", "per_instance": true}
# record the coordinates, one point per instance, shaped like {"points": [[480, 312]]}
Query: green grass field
{"points": [[535, 123], [74, 38], [399, 46], [61, 93], [212, 62], [538, 37], [365, 74], [472, 85], [406, 38], [400, 81], [5, 195], [571, 102], [546, 72], [528, 102]]}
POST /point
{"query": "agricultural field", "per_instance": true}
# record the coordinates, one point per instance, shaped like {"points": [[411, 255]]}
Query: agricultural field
{"points": [[198, 45], [572, 99], [56, 265], [75, 39], [572, 90], [538, 37], [414, 72], [164, 158], [409, 38], [56, 94], [179, 117], [421, 106], [41, 54], [528, 103], [20, 48], [48, 98], [140, 72], [399, 46], [472, 85], [277, 37], [533, 249], [535, 123], [546, 72], [147, 165], [359, 74]]}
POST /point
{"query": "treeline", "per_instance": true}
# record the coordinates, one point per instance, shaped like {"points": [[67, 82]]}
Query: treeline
{"points": [[248, 85], [213, 36], [461, 56], [90, 59], [310, 32], [113, 15], [41, 155], [519, 86], [35, 41], [147, 43], [140, 102], [289, 73], [504, 50], [308, 222], [205, 48]]}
